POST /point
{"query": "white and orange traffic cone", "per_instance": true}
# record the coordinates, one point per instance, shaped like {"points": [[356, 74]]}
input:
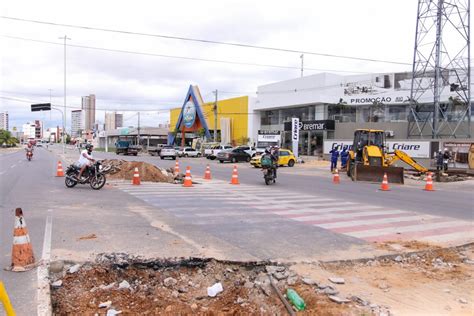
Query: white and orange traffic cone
{"points": [[384, 186], [188, 181], [336, 179], [59, 170], [235, 176], [176, 167], [22, 251], [136, 177], [429, 183], [207, 174]]}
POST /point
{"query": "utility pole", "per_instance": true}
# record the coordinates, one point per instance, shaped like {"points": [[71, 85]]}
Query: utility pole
{"points": [[138, 129], [50, 103], [215, 118], [65, 38], [302, 63]]}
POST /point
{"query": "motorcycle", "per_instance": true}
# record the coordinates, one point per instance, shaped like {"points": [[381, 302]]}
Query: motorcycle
{"points": [[29, 155], [269, 175], [94, 175]]}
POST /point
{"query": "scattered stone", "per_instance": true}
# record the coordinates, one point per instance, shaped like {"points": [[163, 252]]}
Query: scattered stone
{"points": [[447, 291], [330, 291], [398, 259], [309, 281], [74, 268], [469, 261], [113, 312], [212, 291], [182, 290], [462, 300], [105, 304], [280, 275], [322, 286], [124, 285], [292, 280], [175, 294], [57, 283], [338, 300], [240, 300], [336, 280], [373, 306], [169, 282], [107, 287], [274, 269], [248, 285], [383, 286], [56, 266], [229, 270], [359, 300], [266, 289]]}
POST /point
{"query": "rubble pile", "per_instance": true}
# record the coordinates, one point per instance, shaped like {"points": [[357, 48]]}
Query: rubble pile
{"points": [[123, 170], [118, 283], [443, 177]]}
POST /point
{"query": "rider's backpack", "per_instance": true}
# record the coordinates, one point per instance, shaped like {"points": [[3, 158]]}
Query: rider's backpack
{"points": [[266, 161]]}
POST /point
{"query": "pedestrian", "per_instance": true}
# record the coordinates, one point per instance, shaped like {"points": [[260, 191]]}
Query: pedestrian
{"points": [[334, 156], [446, 158], [344, 157], [439, 161]]}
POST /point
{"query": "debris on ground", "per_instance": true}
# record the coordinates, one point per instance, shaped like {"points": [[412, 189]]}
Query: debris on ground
{"points": [[178, 287], [123, 170], [451, 176], [87, 237]]}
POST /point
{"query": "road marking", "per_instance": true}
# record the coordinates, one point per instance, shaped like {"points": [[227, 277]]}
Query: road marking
{"points": [[44, 295]]}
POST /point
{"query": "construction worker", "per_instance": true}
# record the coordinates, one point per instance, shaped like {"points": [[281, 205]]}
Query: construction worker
{"points": [[344, 158], [334, 156], [439, 161], [446, 158]]}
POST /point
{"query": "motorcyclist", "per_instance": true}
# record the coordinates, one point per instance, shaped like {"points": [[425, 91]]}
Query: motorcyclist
{"points": [[85, 160], [274, 152], [29, 149]]}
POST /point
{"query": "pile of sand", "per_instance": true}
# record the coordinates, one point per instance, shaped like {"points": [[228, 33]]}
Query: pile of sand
{"points": [[121, 169]]}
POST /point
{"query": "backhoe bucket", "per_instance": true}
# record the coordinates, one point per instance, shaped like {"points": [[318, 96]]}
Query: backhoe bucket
{"points": [[375, 174]]}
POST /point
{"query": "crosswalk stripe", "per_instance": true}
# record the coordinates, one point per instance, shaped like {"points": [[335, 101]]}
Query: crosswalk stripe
{"points": [[415, 228], [346, 209], [272, 206], [321, 218], [364, 224]]}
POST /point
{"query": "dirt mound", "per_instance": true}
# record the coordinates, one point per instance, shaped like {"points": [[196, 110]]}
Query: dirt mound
{"points": [[121, 169], [180, 288]]}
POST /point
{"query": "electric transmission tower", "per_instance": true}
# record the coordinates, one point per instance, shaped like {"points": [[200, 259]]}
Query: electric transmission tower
{"points": [[440, 90]]}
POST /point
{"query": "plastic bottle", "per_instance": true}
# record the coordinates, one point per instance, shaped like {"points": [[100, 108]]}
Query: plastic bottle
{"points": [[295, 299]]}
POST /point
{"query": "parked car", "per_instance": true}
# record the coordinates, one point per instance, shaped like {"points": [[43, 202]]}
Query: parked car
{"points": [[285, 158], [168, 152], [249, 150], [126, 148], [233, 155], [155, 151], [211, 153], [188, 152]]}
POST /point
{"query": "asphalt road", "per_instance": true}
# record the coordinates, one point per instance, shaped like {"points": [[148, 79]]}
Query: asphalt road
{"points": [[163, 221]]}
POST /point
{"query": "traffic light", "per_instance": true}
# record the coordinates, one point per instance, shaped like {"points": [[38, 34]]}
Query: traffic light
{"points": [[41, 107]]}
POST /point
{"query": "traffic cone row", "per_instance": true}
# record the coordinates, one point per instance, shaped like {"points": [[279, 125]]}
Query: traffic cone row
{"points": [[188, 182], [136, 177], [22, 250], [335, 178], [59, 170]]}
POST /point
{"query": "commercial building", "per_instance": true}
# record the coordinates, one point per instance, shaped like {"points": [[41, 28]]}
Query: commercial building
{"points": [[88, 106], [330, 107], [77, 123], [197, 119], [113, 121], [4, 120], [33, 130]]}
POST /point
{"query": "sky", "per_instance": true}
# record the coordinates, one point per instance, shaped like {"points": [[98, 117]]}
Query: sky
{"points": [[131, 82]]}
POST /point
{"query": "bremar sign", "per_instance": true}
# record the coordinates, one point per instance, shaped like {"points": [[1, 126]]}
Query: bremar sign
{"points": [[295, 129], [414, 149], [320, 125]]}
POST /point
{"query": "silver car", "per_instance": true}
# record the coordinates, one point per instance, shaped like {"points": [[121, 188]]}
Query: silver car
{"points": [[168, 152]]}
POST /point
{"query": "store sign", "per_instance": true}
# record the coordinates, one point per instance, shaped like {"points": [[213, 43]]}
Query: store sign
{"points": [[269, 138], [319, 125], [295, 129], [189, 114], [372, 99], [415, 149]]}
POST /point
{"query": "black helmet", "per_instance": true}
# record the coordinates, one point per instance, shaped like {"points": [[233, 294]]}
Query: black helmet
{"points": [[89, 146]]}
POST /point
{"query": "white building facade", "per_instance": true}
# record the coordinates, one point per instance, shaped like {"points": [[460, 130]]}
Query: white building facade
{"points": [[77, 123], [4, 121]]}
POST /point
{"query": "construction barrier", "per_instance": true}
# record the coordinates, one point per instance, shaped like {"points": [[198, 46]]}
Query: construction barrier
{"points": [[59, 170], [207, 174], [188, 182], [136, 177], [22, 250], [384, 186], [235, 176], [336, 179], [429, 183], [7, 306]]}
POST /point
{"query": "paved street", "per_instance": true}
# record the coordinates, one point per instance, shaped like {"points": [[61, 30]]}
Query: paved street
{"points": [[304, 217]]}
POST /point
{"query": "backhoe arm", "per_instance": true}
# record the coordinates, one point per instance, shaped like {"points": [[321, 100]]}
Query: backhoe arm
{"points": [[403, 156]]}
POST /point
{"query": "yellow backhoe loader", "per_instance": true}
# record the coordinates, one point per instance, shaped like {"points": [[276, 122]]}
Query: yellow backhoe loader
{"points": [[369, 158]]}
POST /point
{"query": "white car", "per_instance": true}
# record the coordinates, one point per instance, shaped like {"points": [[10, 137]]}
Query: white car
{"points": [[249, 150], [189, 152], [168, 152], [212, 152]]}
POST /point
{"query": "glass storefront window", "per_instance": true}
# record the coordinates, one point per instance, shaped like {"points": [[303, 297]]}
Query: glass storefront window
{"points": [[342, 113], [397, 113]]}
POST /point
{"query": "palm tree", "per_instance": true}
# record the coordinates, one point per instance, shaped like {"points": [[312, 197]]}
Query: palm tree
{"points": [[6, 139]]}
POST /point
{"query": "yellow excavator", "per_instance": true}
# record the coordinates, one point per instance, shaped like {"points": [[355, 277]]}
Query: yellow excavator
{"points": [[369, 158]]}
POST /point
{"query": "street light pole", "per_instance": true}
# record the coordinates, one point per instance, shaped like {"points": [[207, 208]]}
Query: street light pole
{"points": [[64, 114]]}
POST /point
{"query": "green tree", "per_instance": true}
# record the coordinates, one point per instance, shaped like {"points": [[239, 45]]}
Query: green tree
{"points": [[7, 139]]}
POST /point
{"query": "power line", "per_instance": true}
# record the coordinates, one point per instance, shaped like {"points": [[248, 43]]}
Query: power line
{"points": [[177, 57], [206, 41]]}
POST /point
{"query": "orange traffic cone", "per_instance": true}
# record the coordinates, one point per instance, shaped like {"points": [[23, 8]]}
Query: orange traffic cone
{"points": [[136, 177], [207, 174], [176, 167], [235, 176], [429, 183], [22, 251], [384, 186], [188, 182], [336, 179], [59, 171]]}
